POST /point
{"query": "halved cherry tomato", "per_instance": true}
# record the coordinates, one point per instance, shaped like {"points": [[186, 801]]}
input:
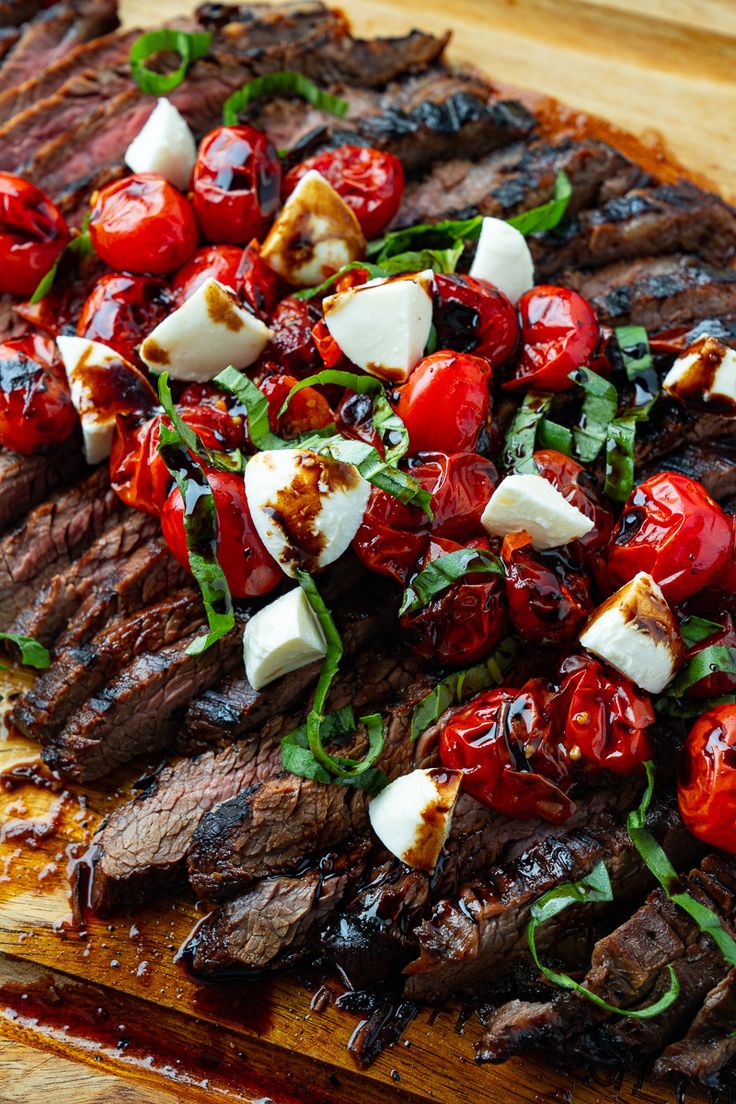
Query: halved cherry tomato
{"points": [[249, 568], [328, 349], [473, 316], [547, 600], [580, 489], [446, 402], [726, 578], [143, 224], [292, 344], [122, 310], [369, 180], [671, 528], [392, 537], [36, 409], [308, 410], [235, 184], [706, 786], [259, 285], [219, 262], [559, 332], [32, 235]]}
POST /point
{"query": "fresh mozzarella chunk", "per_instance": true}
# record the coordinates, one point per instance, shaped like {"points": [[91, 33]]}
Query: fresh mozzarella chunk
{"points": [[205, 334], [637, 633], [412, 815], [383, 326], [282, 637], [164, 145], [102, 385], [307, 508], [502, 257], [314, 235], [532, 503], [705, 373]]}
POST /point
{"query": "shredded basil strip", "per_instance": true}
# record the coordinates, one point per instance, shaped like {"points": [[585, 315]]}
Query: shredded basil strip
{"points": [[719, 658], [80, 245], [224, 461], [446, 570], [595, 887], [461, 685], [671, 707], [548, 215], [551, 435], [373, 271], [598, 411], [256, 408], [620, 458], [694, 630], [376, 470], [279, 84], [518, 452], [297, 757], [32, 654], [660, 866], [633, 341], [439, 260], [189, 47]]}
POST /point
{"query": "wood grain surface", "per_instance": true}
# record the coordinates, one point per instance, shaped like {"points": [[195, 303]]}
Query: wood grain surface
{"points": [[114, 1000]]}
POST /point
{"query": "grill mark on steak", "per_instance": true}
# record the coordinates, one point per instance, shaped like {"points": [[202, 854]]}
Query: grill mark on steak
{"points": [[710, 1043], [27, 480]]}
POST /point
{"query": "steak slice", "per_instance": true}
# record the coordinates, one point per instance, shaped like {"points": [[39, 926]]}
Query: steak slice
{"points": [[710, 462], [658, 292], [710, 1043], [53, 33], [27, 480], [51, 537], [665, 218], [15, 12]]}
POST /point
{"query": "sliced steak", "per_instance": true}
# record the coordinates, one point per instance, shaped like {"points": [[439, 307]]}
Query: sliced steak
{"points": [[15, 12], [710, 462], [27, 480], [710, 1043], [8, 38]]}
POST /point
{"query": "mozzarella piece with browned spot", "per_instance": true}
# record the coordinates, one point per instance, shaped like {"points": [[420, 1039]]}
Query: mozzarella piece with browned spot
{"points": [[307, 508], [208, 332], [282, 637], [314, 235], [636, 632], [705, 373], [412, 815], [532, 503], [383, 326], [502, 257], [164, 145]]}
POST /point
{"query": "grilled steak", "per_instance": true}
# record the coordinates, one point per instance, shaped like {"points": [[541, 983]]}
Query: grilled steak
{"points": [[710, 1043], [711, 462], [15, 12], [27, 480]]}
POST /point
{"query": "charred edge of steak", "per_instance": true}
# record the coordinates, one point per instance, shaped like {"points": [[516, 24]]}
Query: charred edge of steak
{"points": [[710, 1043], [13, 13], [25, 481], [710, 462]]}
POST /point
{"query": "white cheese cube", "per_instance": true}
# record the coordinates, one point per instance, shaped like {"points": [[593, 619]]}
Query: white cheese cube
{"points": [[636, 632], [282, 637], [102, 385], [532, 503], [208, 332], [307, 508], [383, 326], [314, 235], [705, 373], [164, 145], [502, 257], [412, 815]]}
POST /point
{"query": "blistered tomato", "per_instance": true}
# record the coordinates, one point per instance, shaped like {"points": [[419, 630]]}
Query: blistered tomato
{"points": [[307, 411], [580, 489], [706, 787], [671, 528], [32, 235], [473, 316], [559, 333], [235, 184], [292, 344], [446, 402], [218, 262], [122, 310], [142, 224], [36, 410], [548, 601]]}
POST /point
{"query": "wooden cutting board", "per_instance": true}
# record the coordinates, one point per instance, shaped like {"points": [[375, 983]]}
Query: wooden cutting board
{"points": [[110, 1016]]}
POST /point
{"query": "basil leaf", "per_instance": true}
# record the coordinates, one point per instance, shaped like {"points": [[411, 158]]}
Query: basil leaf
{"points": [[279, 84], [224, 461], [81, 244], [431, 345], [633, 342], [694, 630], [373, 271], [550, 435], [439, 260], [426, 235], [361, 385], [189, 47], [620, 458], [671, 707], [378, 471], [256, 408], [596, 887], [389, 425], [32, 654], [598, 411], [548, 215], [518, 452], [717, 658], [446, 570]]}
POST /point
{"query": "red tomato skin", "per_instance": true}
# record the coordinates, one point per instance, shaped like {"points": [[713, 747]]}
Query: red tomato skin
{"points": [[308, 410], [141, 224], [292, 344], [32, 235], [235, 184], [473, 316], [36, 410], [121, 310], [220, 262], [249, 569], [726, 579], [706, 786], [446, 402], [580, 489], [671, 528], [354, 418], [559, 333], [370, 181], [547, 602]]}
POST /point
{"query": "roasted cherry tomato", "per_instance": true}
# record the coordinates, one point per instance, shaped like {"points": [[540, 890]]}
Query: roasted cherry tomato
{"points": [[32, 235], [559, 333], [249, 569], [392, 537], [726, 579], [464, 622], [308, 410], [235, 184], [446, 402], [502, 744], [706, 787], [330, 352], [580, 489], [369, 180], [601, 718], [354, 418], [122, 310], [292, 344], [142, 224], [36, 410], [548, 601], [219, 262], [671, 528], [473, 316]]}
